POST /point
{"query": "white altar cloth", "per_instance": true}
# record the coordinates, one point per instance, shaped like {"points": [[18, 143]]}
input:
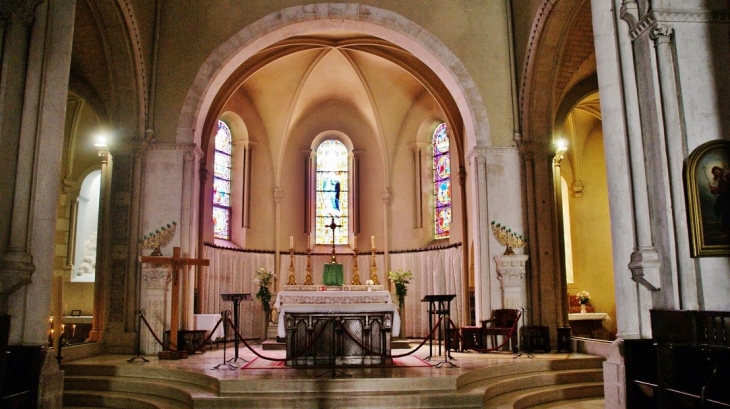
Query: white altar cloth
{"points": [[588, 316], [332, 297], [338, 308]]}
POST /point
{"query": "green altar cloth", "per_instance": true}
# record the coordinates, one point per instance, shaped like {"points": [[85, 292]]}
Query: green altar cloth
{"points": [[333, 274]]}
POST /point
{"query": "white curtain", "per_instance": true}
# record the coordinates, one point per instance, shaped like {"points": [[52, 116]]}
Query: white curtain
{"points": [[435, 272], [233, 271]]}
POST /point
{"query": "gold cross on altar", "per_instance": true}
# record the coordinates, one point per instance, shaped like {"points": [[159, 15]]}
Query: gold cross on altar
{"points": [[175, 262]]}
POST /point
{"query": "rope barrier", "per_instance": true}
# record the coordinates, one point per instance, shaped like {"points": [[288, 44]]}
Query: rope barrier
{"points": [[198, 348]]}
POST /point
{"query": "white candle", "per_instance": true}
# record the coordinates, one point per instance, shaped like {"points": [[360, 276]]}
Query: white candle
{"points": [[291, 242], [372, 241], [354, 242]]}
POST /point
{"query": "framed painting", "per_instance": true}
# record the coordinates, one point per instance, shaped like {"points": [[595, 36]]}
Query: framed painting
{"points": [[707, 185]]}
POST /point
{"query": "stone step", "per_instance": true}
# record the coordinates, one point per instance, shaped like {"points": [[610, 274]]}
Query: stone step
{"points": [[527, 398], [121, 400]]}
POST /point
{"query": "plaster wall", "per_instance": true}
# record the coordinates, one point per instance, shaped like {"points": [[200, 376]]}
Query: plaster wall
{"points": [[705, 88], [162, 194], [591, 232], [505, 202], [476, 34]]}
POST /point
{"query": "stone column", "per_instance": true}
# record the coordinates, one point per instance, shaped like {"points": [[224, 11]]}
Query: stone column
{"points": [[103, 254], [387, 200], [675, 137], [278, 197], [155, 301], [480, 232], [511, 273]]}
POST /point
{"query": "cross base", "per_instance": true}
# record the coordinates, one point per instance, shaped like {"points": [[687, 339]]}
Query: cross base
{"points": [[172, 355]]}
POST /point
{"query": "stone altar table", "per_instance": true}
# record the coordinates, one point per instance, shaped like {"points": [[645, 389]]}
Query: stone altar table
{"points": [[325, 327]]}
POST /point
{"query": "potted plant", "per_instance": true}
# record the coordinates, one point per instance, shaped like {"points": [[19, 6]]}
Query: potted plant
{"points": [[400, 279]]}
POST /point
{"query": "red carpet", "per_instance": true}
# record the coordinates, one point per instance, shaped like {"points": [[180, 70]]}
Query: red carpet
{"points": [[406, 361]]}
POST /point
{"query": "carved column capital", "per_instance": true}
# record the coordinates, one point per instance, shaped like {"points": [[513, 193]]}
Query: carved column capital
{"points": [[662, 34]]}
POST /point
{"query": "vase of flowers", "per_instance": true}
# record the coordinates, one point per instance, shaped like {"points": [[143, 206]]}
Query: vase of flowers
{"points": [[583, 298], [263, 281], [400, 279]]}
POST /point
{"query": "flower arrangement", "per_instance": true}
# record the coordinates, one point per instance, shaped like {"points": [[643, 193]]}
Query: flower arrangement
{"points": [[583, 297], [400, 278], [263, 280]]}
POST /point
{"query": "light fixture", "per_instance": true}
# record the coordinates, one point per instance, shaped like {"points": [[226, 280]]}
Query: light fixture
{"points": [[101, 138], [560, 149]]}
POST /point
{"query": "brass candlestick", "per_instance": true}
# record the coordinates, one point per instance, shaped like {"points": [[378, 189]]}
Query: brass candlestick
{"points": [[308, 279], [355, 270], [373, 268], [292, 280]]}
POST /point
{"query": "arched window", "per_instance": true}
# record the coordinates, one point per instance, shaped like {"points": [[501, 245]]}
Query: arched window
{"points": [[222, 183], [441, 182], [331, 195]]}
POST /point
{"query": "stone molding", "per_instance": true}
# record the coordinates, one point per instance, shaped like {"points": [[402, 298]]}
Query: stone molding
{"points": [[267, 29], [649, 21], [156, 278]]}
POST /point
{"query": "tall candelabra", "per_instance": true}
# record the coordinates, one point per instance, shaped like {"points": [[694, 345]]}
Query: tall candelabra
{"points": [[159, 238], [292, 280], [373, 268], [308, 279], [355, 270], [507, 237]]}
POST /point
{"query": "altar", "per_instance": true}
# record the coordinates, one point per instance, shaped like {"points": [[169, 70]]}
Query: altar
{"points": [[337, 325]]}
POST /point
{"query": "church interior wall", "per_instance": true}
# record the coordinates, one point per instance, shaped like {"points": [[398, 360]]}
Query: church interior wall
{"points": [[161, 203], [590, 225], [705, 90], [505, 194]]}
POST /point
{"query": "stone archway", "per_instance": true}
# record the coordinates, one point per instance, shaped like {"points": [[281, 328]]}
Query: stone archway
{"points": [[540, 96]]}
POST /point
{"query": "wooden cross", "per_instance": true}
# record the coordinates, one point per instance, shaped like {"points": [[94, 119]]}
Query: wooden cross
{"points": [[175, 262], [333, 226]]}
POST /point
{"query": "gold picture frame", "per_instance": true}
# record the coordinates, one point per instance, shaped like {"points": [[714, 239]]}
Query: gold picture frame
{"points": [[707, 188]]}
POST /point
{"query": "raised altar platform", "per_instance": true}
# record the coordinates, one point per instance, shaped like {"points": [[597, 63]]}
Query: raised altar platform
{"points": [[336, 327]]}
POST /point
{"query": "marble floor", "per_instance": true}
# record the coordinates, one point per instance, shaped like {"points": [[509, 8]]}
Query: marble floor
{"points": [[216, 363]]}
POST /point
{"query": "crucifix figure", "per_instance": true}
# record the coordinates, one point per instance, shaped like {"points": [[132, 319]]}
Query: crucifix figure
{"points": [[175, 262], [333, 226]]}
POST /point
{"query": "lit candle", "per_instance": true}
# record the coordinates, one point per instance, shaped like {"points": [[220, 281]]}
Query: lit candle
{"points": [[354, 242], [372, 241], [291, 242], [73, 330]]}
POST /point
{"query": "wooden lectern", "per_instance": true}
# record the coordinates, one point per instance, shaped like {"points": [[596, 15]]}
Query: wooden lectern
{"points": [[440, 305]]}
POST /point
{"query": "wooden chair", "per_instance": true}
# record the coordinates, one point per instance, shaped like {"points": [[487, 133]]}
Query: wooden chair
{"points": [[503, 323]]}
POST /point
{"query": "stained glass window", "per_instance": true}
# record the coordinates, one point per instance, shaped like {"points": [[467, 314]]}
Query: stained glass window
{"points": [[331, 195], [441, 182], [222, 183]]}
